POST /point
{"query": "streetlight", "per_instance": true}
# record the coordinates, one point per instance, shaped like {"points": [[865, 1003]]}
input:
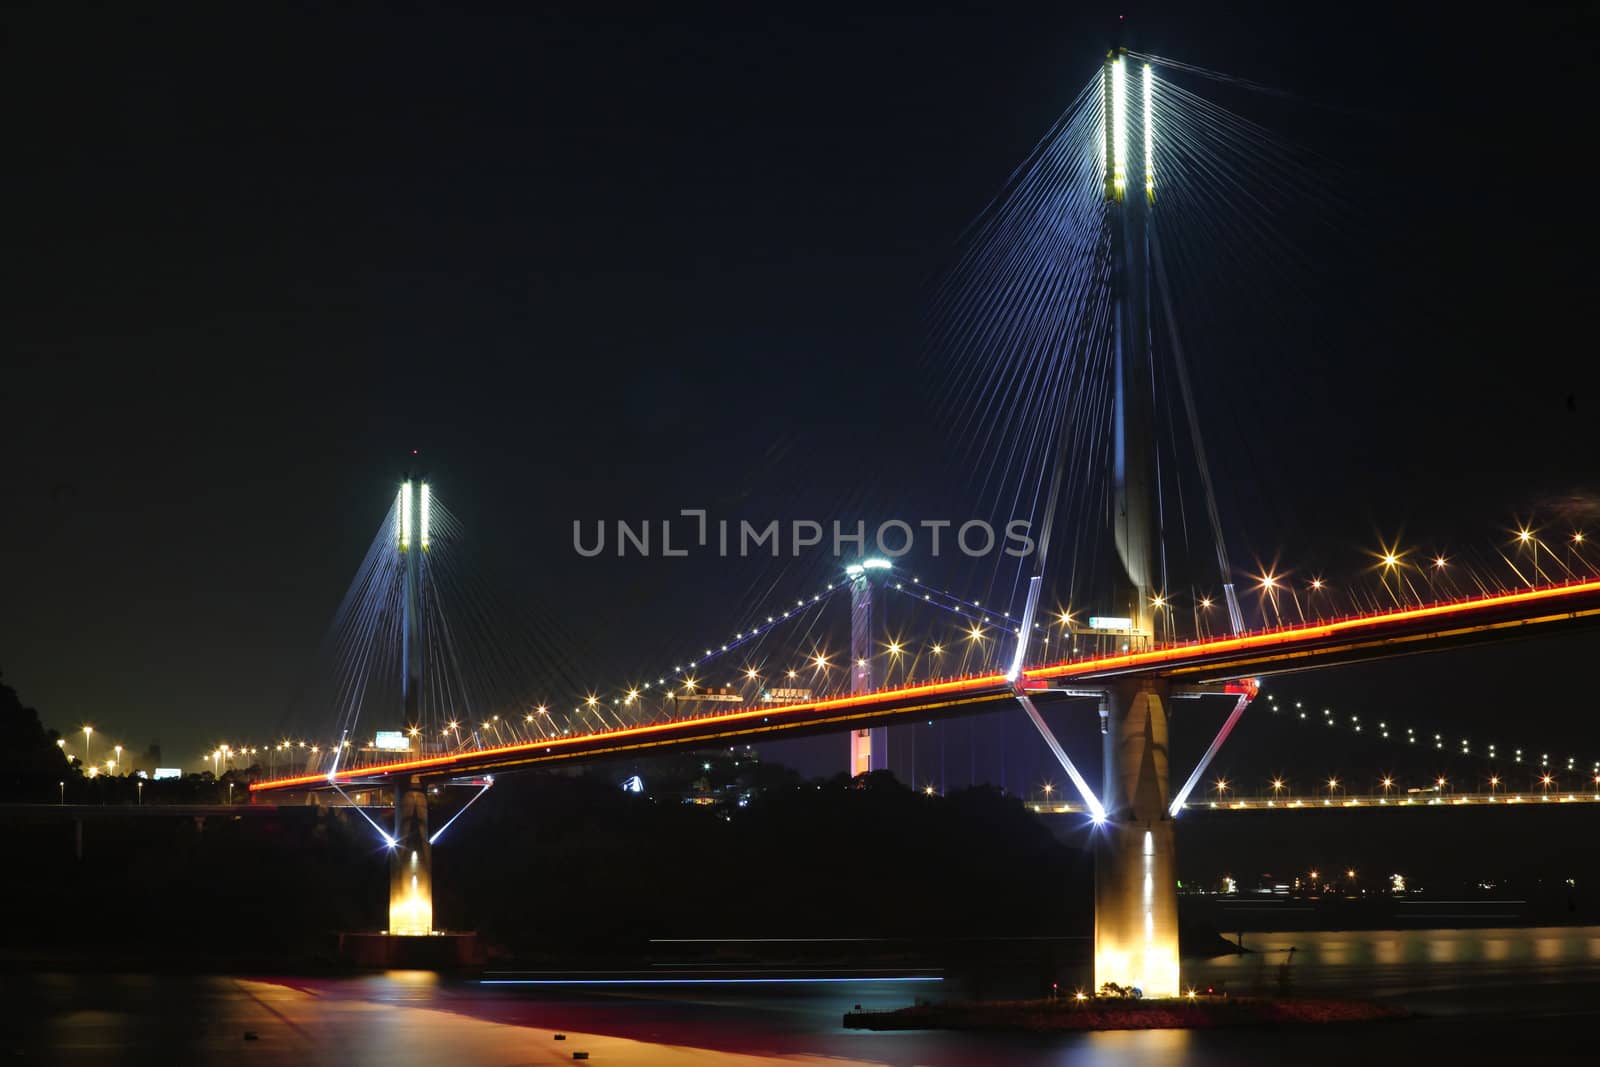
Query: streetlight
{"points": [[1388, 784], [118, 750], [140, 785], [1546, 781], [1277, 786], [1333, 785], [63, 787], [88, 733], [1268, 584], [1494, 783], [1389, 563]]}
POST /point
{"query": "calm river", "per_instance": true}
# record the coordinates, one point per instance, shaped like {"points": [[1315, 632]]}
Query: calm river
{"points": [[1482, 996]]}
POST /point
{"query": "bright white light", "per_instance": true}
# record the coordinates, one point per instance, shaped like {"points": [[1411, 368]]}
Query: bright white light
{"points": [[425, 496], [405, 514], [1119, 126], [1149, 134]]}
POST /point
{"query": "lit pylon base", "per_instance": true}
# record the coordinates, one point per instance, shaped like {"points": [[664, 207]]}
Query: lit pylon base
{"points": [[411, 862], [1136, 879]]}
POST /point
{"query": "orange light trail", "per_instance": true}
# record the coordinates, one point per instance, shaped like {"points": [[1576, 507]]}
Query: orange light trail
{"points": [[1040, 677], [958, 685], [1292, 634]]}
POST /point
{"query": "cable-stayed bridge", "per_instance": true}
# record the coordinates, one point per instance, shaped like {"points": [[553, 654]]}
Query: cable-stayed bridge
{"points": [[1221, 665], [1065, 323]]}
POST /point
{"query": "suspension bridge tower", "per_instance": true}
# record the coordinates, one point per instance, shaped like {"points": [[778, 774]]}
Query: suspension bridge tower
{"points": [[410, 853], [1136, 901], [869, 749]]}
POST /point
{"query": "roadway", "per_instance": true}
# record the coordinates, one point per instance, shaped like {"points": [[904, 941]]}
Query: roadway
{"points": [[1324, 643]]}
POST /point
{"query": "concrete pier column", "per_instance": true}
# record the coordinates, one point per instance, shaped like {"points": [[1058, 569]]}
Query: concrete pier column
{"points": [[410, 861], [1136, 879]]}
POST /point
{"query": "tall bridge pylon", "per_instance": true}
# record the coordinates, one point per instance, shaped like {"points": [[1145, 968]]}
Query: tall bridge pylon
{"points": [[411, 855], [1136, 898]]}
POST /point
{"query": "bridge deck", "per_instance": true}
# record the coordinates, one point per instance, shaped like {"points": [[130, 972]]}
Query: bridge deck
{"points": [[1403, 631]]}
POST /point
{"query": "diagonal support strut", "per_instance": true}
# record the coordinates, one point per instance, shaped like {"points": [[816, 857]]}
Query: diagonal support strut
{"points": [[449, 822], [1096, 809], [1216, 744]]}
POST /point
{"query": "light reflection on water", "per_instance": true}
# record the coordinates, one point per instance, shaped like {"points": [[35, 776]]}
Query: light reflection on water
{"points": [[1384, 963], [1478, 990]]}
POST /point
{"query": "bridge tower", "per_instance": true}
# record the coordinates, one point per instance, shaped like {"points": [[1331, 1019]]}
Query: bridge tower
{"points": [[410, 854], [869, 749], [1136, 900]]}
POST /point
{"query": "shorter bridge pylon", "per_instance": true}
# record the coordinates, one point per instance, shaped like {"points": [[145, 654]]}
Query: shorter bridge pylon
{"points": [[869, 748]]}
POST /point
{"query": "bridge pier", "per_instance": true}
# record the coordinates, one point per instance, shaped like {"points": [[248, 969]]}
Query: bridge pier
{"points": [[410, 861], [1135, 863]]}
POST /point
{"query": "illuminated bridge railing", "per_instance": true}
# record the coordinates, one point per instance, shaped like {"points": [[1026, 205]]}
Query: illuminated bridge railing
{"points": [[1448, 800], [1250, 654], [1260, 804]]}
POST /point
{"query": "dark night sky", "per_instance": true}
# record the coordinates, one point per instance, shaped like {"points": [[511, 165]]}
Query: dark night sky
{"points": [[600, 264]]}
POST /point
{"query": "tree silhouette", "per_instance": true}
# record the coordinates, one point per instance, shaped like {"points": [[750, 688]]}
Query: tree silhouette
{"points": [[30, 762]]}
